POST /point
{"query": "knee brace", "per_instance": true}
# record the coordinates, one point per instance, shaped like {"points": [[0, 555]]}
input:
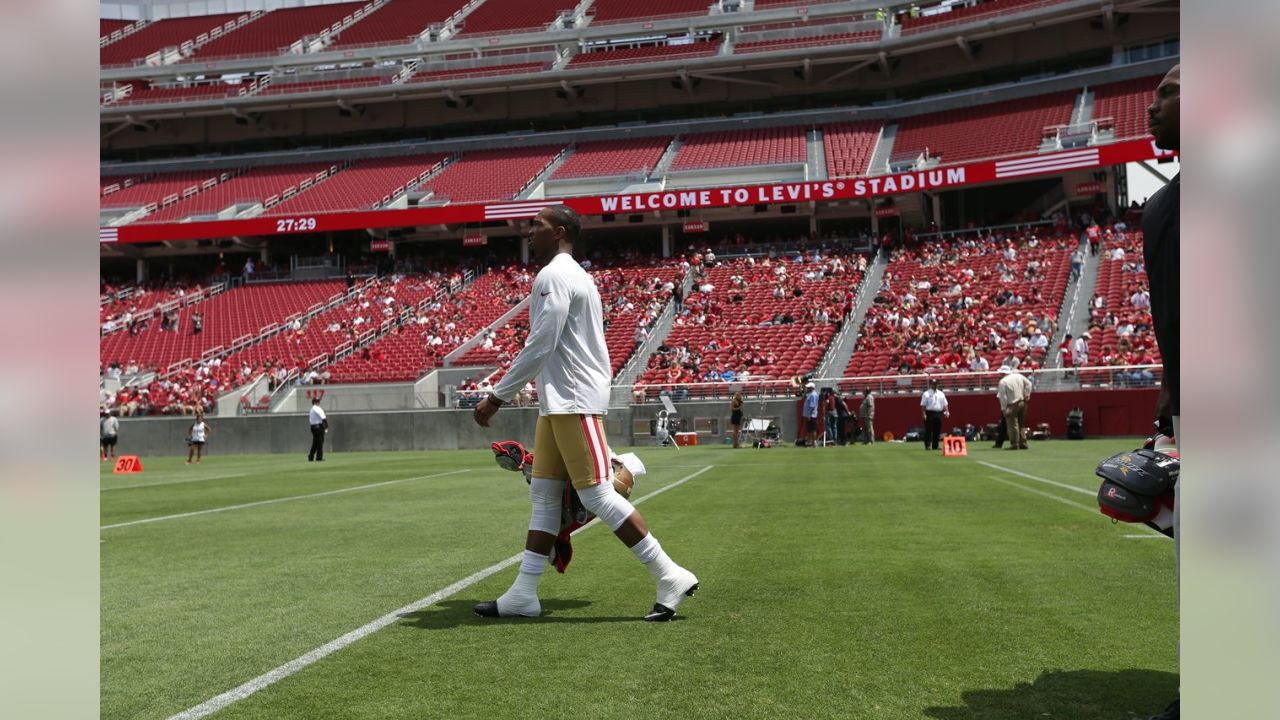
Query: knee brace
{"points": [[605, 503], [547, 497]]}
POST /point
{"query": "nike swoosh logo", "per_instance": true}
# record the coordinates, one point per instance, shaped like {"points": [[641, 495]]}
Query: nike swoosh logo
{"points": [[544, 294]]}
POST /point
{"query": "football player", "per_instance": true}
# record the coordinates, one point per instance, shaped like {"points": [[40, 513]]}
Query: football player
{"points": [[566, 351]]}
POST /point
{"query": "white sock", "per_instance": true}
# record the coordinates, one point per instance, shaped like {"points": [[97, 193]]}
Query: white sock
{"points": [[526, 583], [649, 552]]}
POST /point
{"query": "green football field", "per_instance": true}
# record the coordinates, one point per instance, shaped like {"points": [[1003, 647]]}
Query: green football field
{"points": [[857, 582]]}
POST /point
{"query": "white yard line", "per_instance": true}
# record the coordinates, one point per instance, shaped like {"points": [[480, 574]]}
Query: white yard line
{"points": [[221, 701], [1150, 536], [1064, 486], [1042, 493], [276, 500], [175, 482], [1091, 510]]}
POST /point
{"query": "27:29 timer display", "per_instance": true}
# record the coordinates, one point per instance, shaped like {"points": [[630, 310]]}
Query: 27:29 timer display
{"points": [[301, 224]]}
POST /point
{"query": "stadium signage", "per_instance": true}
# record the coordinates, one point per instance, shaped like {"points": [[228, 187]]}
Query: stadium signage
{"points": [[474, 240], [1089, 188], [379, 246], [691, 199], [695, 226], [887, 211]]}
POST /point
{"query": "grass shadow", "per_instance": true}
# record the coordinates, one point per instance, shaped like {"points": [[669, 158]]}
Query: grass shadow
{"points": [[453, 613], [1069, 695]]}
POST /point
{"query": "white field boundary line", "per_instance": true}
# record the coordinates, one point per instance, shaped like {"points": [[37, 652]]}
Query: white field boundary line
{"points": [[249, 688], [326, 471], [277, 500], [175, 482], [1092, 511], [1046, 481]]}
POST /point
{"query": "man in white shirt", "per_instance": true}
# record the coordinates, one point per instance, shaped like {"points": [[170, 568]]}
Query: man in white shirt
{"points": [[566, 351], [319, 425], [933, 405], [1080, 350], [1013, 392]]}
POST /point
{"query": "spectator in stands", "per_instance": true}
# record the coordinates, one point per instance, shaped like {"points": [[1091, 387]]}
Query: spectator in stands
{"points": [[1141, 299], [1080, 350], [197, 323], [1117, 254], [248, 267], [1077, 264]]}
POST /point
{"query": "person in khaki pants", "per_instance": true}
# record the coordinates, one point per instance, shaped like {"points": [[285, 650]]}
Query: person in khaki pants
{"points": [[1013, 392]]}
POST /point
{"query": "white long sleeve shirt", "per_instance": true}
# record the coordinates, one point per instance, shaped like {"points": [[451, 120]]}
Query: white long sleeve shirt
{"points": [[565, 348]]}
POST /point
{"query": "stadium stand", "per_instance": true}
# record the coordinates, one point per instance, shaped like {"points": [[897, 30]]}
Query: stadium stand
{"points": [[489, 175], [849, 147], [141, 94], [1119, 315], [160, 34], [361, 186], [613, 157], [106, 27], [741, 148], [410, 351], [275, 31], [226, 317], [986, 131], [122, 304], [772, 319], [1124, 104], [382, 301], [620, 11], [491, 70], [853, 38], [632, 294], [772, 4], [158, 189], [304, 86], [613, 56], [506, 16], [397, 22], [256, 185], [960, 15], [941, 303]]}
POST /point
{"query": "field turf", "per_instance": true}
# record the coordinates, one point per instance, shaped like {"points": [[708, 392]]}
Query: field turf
{"points": [[876, 582]]}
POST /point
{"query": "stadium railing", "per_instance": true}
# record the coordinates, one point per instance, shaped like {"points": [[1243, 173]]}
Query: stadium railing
{"points": [[1092, 377]]}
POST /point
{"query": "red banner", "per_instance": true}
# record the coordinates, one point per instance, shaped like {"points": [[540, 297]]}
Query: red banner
{"points": [[1089, 188], [694, 226], [474, 240], [689, 199]]}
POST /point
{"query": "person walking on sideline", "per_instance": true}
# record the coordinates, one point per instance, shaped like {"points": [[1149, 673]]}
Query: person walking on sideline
{"points": [[735, 418], [319, 426], [197, 436], [867, 412], [933, 405], [566, 351], [1014, 392], [108, 432]]}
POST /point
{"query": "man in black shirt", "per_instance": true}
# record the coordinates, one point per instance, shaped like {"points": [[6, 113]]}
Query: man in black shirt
{"points": [[1160, 253]]}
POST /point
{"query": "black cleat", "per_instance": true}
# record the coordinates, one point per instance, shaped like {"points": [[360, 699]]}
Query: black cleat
{"points": [[487, 609], [662, 613]]}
